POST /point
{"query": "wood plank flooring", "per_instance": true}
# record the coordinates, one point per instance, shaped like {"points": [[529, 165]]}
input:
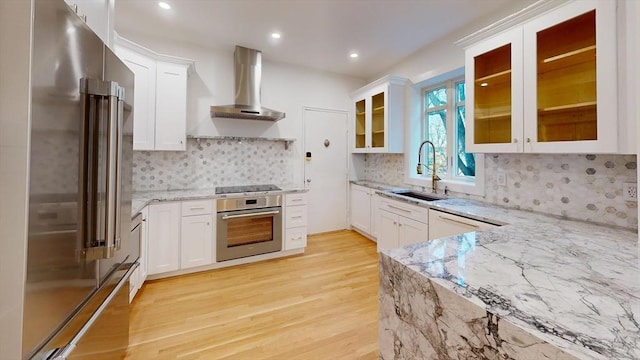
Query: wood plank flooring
{"points": [[320, 305]]}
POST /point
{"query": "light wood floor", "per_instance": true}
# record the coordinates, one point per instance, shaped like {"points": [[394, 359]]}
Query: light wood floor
{"points": [[320, 305]]}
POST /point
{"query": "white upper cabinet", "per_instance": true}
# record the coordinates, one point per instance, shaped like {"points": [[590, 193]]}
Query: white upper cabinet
{"points": [[494, 86], [379, 116], [548, 85], [99, 15], [171, 106], [144, 69], [570, 80], [160, 97]]}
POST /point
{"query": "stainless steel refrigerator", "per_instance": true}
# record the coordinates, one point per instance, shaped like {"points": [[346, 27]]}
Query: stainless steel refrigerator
{"points": [[80, 251]]}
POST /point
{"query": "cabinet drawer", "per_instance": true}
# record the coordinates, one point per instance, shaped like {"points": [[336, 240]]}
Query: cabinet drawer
{"points": [[413, 212], [197, 207], [296, 199], [296, 216], [442, 224], [295, 238]]}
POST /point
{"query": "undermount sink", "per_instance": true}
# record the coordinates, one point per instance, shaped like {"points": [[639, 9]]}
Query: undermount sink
{"points": [[418, 195]]}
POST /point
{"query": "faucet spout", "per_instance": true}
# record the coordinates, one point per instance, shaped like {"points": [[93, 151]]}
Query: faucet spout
{"points": [[434, 177]]}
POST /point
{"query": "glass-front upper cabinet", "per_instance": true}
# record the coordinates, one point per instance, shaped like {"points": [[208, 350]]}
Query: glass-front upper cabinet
{"points": [[547, 86], [379, 116], [493, 71], [377, 120], [571, 79], [361, 124]]}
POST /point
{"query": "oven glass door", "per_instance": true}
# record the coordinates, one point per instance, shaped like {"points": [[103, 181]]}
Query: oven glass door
{"points": [[248, 232]]}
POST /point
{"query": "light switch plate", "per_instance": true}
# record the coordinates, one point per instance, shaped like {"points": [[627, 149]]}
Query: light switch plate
{"points": [[501, 178]]}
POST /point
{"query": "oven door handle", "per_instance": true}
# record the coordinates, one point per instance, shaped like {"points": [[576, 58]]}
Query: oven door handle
{"points": [[227, 217]]}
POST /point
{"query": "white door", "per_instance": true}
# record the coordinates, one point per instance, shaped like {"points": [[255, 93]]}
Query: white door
{"points": [[325, 137]]}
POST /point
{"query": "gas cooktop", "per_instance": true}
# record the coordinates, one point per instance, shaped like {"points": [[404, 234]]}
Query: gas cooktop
{"points": [[245, 189]]}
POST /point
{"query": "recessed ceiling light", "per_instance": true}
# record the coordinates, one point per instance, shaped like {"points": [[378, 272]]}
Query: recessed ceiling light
{"points": [[484, 84], [276, 35], [164, 5], [353, 55]]}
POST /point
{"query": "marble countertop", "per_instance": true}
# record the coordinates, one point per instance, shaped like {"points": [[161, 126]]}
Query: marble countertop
{"points": [[140, 199], [573, 284]]}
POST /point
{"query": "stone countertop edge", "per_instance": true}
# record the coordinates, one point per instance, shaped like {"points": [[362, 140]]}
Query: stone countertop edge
{"points": [[568, 282], [141, 199]]}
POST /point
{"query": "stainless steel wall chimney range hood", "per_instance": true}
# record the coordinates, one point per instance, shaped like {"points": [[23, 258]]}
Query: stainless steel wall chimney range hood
{"points": [[248, 77]]}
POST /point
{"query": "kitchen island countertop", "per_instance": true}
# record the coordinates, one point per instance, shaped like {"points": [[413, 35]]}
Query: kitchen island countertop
{"points": [[573, 287]]}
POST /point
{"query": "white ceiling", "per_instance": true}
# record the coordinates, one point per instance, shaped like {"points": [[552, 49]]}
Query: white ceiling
{"points": [[315, 33]]}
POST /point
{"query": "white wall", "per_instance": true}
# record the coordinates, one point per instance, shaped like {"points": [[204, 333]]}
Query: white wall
{"points": [[285, 88], [15, 30], [443, 55]]}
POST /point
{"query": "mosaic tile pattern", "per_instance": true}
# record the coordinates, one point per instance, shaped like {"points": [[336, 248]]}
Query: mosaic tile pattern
{"points": [[210, 163], [585, 187], [384, 168]]}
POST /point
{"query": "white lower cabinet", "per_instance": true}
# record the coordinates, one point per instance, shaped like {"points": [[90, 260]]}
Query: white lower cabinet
{"points": [[144, 247], [164, 237], [361, 208], [401, 224], [411, 231], [196, 241], [364, 210], [295, 221], [139, 276], [442, 224], [180, 242], [388, 234]]}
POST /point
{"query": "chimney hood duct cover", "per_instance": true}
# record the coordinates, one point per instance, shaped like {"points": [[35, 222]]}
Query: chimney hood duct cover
{"points": [[248, 78]]}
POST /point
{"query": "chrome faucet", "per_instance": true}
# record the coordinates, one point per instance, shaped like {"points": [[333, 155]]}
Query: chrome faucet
{"points": [[434, 177]]}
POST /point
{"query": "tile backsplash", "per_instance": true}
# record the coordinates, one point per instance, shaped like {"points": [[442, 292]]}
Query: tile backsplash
{"points": [[585, 187], [208, 163]]}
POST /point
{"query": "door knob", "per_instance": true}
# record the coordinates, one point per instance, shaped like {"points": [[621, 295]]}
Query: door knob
{"points": [[308, 181]]}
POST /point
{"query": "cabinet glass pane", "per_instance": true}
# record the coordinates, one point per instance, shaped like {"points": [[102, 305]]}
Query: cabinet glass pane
{"points": [[377, 121], [492, 103], [361, 126], [566, 69]]}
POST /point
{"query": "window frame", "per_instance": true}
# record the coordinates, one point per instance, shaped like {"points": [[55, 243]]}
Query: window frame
{"points": [[417, 120], [451, 125]]}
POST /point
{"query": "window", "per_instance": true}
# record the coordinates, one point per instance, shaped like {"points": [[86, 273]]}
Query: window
{"points": [[444, 126]]}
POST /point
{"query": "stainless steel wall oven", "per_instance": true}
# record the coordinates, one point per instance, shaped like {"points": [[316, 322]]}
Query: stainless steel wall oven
{"points": [[248, 225]]}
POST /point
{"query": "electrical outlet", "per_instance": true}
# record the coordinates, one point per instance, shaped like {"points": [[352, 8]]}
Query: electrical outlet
{"points": [[630, 191], [501, 178]]}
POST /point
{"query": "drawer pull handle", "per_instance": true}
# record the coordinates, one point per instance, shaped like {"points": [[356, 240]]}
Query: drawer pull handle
{"points": [[197, 208], [398, 208], [296, 217], [298, 199], [458, 222]]}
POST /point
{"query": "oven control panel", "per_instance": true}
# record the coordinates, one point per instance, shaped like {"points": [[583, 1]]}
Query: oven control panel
{"points": [[248, 202]]}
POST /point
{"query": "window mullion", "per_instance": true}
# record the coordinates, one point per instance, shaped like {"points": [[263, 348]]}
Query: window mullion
{"points": [[450, 128]]}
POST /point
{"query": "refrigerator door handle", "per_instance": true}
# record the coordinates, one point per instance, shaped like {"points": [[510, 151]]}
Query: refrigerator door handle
{"points": [[95, 91], [64, 352], [118, 202]]}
